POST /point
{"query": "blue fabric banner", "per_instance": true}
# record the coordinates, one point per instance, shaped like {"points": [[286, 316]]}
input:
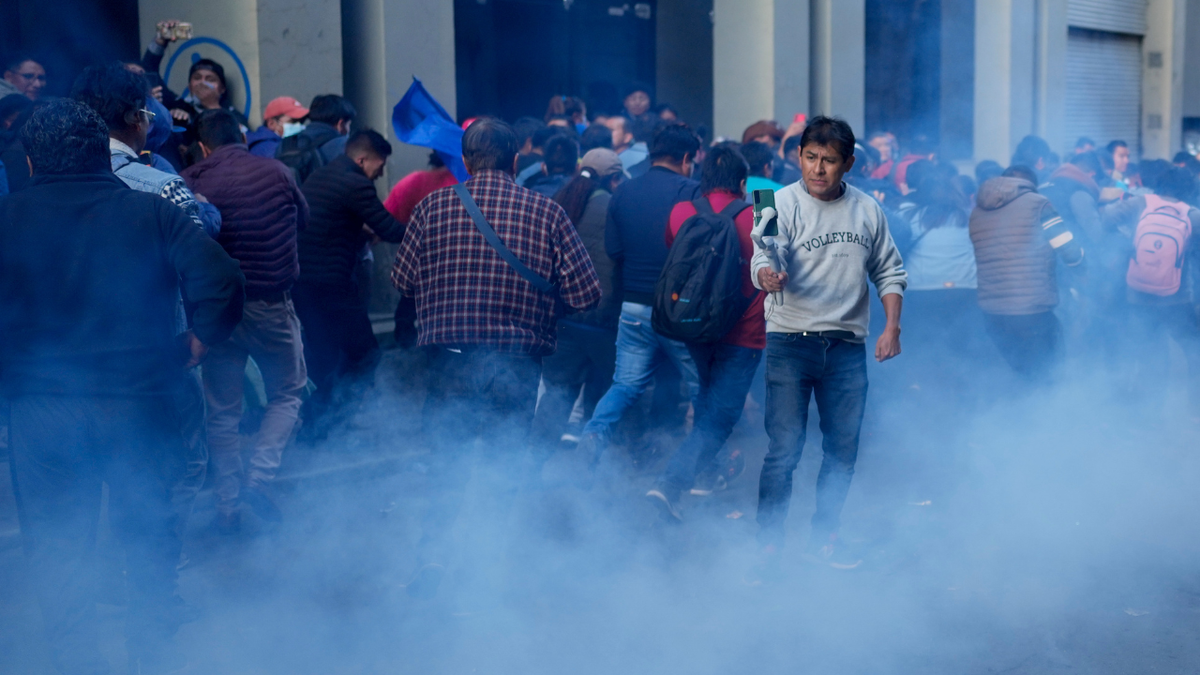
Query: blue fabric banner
{"points": [[420, 120]]}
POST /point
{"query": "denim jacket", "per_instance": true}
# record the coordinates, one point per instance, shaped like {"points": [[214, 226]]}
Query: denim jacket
{"points": [[144, 178]]}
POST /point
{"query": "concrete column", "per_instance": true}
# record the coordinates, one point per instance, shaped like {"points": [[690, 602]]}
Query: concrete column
{"points": [[1191, 74], [684, 59], [387, 43], [288, 47], [1163, 50], [1050, 107], [839, 60], [760, 63], [1005, 43]]}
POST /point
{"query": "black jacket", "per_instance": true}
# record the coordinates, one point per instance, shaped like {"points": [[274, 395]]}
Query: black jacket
{"points": [[90, 273], [341, 199], [591, 231]]}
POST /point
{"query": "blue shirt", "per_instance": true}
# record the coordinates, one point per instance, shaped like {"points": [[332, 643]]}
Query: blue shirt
{"points": [[941, 257], [635, 234], [263, 142]]}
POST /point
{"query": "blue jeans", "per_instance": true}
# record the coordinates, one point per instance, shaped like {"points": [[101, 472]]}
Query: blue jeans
{"points": [[726, 372], [835, 371], [639, 351]]}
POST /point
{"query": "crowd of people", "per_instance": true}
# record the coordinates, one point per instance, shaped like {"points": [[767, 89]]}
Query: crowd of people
{"points": [[154, 248]]}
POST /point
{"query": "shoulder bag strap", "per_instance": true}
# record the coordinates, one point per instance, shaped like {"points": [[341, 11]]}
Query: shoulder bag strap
{"points": [[493, 240]]}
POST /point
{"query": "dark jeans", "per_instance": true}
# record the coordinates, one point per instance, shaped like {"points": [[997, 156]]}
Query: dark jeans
{"points": [[340, 349], [1030, 343], [63, 448], [473, 394], [726, 372], [585, 358], [798, 368]]}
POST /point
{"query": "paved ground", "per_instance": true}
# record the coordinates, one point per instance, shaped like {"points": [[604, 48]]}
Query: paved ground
{"points": [[1050, 534]]}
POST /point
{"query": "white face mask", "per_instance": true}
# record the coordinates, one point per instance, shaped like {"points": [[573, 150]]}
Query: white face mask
{"points": [[292, 128]]}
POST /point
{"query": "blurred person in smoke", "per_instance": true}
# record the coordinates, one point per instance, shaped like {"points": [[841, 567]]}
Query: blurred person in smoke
{"points": [[1033, 152], [1084, 145], [207, 90], [119, 96], [920, 149], [625, 143], [283, 117], [766, 132], [323, 138], [1157, 313], [1117, 153], [787, 166], [562, 158], [836, 239], [525, 128], [637, 102], [597, 135], [1184, 160], [1017, 234], [759, 157], [164, 34], [23, 75], [635, 239], [885, 144], [940, 303], [726, 368], [89, 360], [538, 151], [987, 170], [587, 351], [262, 210], [340, 349], [12, 152], [163, 153], [573, 109], [666, 112], [486, 354]]}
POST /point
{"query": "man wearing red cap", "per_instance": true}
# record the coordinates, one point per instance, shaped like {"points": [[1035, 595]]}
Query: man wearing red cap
{"points": [[281, 118]]}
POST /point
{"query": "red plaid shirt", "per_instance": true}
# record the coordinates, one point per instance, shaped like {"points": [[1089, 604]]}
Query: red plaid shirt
{"points": [[466, 294]]}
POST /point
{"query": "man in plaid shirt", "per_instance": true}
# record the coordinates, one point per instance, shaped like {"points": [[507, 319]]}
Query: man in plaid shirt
{"points": [[486, 326]]}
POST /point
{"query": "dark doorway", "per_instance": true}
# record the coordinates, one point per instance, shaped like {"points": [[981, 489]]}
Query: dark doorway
{"points": [[920, 71], [511, 56], [67, 35]]}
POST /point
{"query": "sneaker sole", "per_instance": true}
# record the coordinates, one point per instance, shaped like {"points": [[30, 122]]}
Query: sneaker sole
{"points": [[660, 500]]}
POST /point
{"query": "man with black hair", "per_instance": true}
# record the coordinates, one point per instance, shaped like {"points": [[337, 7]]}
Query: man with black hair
{"points": [[597, 135], [525, 128], [919, 148], [1084, 144], [119, 97], [323, 138], [760, 159], [23, 75], [340, 348], [89, 362], [635, 238], [1033, 152], [787, 167], [537, 149], [263, 212], [725, 368], [562, 158], [835, 240], [488, 329]]}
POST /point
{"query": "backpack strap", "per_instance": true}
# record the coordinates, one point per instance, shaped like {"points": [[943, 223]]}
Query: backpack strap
{"points": [[494, 241], [734, 209]]}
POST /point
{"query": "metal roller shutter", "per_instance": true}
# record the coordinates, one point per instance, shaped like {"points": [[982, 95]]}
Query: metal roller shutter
{"points": [[1114, 16], [1104, 87]]}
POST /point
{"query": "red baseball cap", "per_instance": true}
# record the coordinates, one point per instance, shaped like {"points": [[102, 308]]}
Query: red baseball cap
{"points": [[285, 105]]}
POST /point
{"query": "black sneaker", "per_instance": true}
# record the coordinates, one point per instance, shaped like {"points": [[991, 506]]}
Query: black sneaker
{"points": [[424, 585], [667, 500], [832, 554], [262, 503]]}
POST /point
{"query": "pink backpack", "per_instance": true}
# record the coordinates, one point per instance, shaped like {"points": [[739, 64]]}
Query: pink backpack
{"points": [[1159, 247]]}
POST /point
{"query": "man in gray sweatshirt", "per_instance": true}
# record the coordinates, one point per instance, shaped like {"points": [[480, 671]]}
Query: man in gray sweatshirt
{"points": [[834, 238]]}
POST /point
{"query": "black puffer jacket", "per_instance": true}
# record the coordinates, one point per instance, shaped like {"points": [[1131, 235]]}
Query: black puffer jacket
{"points": [[341, 199]]}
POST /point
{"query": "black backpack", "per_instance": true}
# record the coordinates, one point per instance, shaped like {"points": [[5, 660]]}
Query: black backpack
{"points": [[302, 153], [698, 297]]}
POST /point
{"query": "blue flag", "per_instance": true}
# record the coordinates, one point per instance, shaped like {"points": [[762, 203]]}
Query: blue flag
{"points": [[420, 120]]}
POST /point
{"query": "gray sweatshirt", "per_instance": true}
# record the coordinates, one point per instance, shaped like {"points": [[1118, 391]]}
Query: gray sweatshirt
{"points": [[830, 249]]}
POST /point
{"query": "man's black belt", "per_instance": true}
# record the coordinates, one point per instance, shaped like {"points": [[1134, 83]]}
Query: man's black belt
{"points": [[830, 334]]}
